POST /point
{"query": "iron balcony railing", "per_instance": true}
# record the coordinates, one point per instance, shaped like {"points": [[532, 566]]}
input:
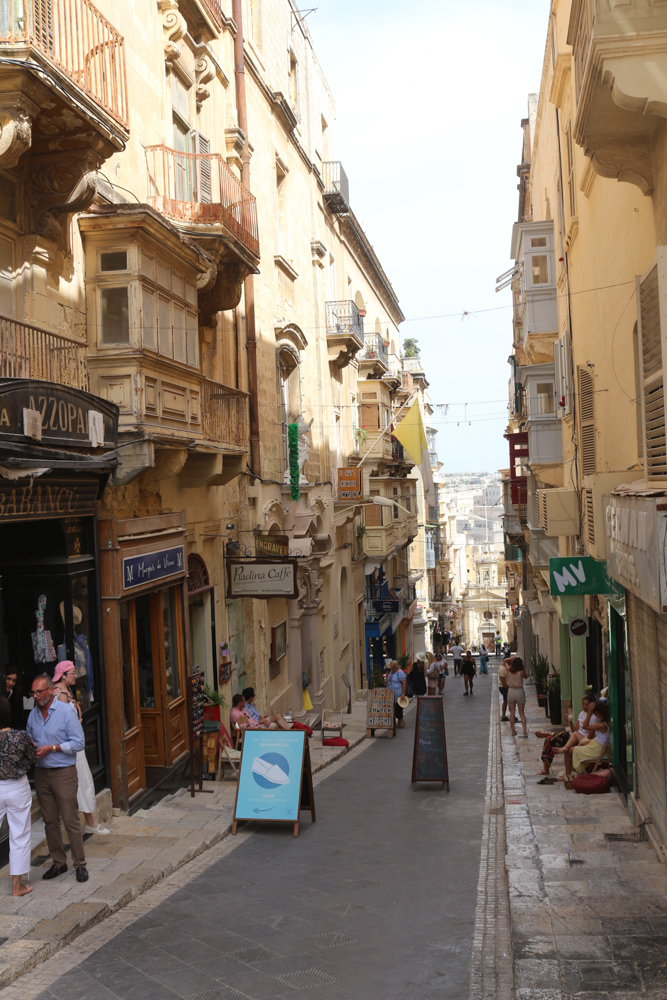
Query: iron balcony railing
{"points": [[215, 10], [78, 39], [28, 351], [336, 192], [225, 414], [200, 188], [343, 318], [375, 349]]}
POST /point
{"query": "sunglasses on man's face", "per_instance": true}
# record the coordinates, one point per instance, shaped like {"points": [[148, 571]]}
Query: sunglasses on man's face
{"points": [[35, 691]]}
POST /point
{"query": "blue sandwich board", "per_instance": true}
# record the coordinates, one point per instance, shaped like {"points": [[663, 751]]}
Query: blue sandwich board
{"points": [[275, 779]]}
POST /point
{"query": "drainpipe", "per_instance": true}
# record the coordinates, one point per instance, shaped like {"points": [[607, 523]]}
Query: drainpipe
{"points": [[251, 341]]}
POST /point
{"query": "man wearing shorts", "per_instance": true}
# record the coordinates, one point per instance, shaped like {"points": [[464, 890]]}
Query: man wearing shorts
{"points": [[457, 653]]}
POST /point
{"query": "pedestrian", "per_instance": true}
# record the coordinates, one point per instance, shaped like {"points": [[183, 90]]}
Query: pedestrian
{"points": [[483, 659], [516, 695], [396, 681], [14, 697], [443, 672], [457, 653], [418, 677], [502, 686], [17, 755], [64, 679], [499, 642], [56, 732], [469, 670], [432, 672]]}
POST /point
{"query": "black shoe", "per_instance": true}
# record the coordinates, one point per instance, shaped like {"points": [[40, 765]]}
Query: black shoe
{"points": [[54, 871], [465, 694], [82, 874]]}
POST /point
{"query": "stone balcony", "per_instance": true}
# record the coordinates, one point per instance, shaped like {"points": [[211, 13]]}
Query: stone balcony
{"points": [[63, 100], [619, 60], [374, 358], [345, 332]]}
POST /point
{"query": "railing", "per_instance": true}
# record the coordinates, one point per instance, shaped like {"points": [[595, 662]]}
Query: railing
{"points": [[397, 451], [583, 14], [375, 349], [75, 37], [336, 189], [200, 188], [215, 10], [343, 318], [30, 352], [225, 414]]}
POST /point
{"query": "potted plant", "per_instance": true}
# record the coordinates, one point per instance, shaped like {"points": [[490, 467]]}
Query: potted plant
{"points": [[540, 671], [555, 713], [214, 702]]}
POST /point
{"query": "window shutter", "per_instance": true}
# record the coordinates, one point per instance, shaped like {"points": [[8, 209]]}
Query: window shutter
{"points": [[558, 376], [203, 145], [587, 420], [652, 373], [588, 526], [566, 368]]}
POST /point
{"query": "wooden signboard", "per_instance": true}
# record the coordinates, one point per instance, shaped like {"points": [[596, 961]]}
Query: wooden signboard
{"points": [[195, 693], [380, 711], [275, 781], [429, 759]]}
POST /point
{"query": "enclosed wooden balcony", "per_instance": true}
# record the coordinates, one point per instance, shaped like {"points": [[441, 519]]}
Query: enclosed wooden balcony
{"points": [[31, 352], [200, 188], [66, 78], [620, 75]]}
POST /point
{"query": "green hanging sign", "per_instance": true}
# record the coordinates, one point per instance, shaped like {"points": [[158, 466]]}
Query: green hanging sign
{"points": [[573, 575], [294, 470]]}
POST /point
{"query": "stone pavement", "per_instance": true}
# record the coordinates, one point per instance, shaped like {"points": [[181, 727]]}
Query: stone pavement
{"points": [[142, 850], [377, 899], [589, 915]]}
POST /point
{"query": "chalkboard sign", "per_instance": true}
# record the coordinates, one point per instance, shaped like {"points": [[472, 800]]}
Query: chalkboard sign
{"points": [[380, 711], [429, 760]]}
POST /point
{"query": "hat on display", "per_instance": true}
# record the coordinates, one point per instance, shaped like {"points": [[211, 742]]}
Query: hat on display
{"points": [[403, 701], [62, 668], [77, 617]]}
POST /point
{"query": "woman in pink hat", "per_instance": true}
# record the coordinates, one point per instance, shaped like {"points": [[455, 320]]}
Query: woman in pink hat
{"points": [[64, 680]]}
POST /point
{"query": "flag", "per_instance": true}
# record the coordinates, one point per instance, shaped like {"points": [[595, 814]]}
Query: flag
{"points": [[410, 432]]}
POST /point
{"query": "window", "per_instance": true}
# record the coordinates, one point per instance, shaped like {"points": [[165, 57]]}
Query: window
{"points": [[539, 269], [6, 278], [587, 417], [570, 169], [544, 398], [256, 23], [538, 241], [293, 83], [282, 241], [113, 260], [115, 315], [652, 374]]}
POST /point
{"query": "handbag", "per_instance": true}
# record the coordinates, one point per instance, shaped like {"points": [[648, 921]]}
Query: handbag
{"points": [[591, 784], [305, 680], [409, 690]]}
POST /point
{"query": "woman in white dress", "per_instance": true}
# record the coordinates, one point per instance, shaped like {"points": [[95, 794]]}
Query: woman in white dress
{"points": [[64, 679]]}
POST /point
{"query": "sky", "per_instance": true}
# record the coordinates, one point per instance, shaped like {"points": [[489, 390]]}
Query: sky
{"points": [[429, 99]]}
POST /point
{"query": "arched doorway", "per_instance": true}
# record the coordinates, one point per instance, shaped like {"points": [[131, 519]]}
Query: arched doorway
{"points": [[201, 608]]}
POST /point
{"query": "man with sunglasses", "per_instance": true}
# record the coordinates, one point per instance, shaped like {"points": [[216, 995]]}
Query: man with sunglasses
{"points": [[54, 728]]}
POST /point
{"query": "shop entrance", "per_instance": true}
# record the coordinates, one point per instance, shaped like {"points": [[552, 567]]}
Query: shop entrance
{"points": [[153, 682], [202, 619]]}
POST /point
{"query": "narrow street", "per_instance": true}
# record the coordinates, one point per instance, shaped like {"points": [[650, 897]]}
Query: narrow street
{"points": [[377, 899]]}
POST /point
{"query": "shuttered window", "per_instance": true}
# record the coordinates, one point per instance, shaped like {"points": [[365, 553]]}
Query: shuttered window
{"points": [[203, 145], [588, 526], [654, 395], [587, 421]]}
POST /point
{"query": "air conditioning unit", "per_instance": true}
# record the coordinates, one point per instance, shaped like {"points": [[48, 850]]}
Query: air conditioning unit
{"points": [[558, 512]]}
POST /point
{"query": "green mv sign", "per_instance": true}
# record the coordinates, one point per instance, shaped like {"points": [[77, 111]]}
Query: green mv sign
{"points": [[574, 575]]}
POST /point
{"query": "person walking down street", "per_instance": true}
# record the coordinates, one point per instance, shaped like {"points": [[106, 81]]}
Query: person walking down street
{"points": [[443, 672], [503, 688], [418, 677], [483, 659], [17, 755], [56, 731], [396, 681], [499, 643], [516, 695], [457, 653], [64, 680], [432, 673], [469, 670]]}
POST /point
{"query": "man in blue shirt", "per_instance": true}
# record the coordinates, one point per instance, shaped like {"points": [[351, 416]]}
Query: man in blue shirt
{"points": [[260, 720], [54, 728]]}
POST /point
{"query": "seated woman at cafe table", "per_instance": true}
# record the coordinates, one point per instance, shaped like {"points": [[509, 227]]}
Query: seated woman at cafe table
{"points": [[261, 720], [559, 738], [586, 746]]}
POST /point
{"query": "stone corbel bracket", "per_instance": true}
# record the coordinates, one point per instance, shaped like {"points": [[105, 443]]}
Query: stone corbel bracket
{"points": [[60, 184], [204, 73], [175, 27], [16, 116]]}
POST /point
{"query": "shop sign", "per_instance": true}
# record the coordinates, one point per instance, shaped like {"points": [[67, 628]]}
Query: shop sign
{"points": [[350, 484], [26, 500], [632, 527], [272, 546], [261, 579], [575, 575], [578, 628], [55, 414], [152, 566], [387, 605]]}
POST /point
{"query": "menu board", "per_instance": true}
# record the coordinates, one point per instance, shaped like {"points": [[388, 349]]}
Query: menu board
{"points": [[429, 760], [196, 704], [380, 711]]}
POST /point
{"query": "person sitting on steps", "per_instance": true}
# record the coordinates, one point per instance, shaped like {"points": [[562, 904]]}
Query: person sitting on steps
{"points": [[261, 720], [586, 747]]}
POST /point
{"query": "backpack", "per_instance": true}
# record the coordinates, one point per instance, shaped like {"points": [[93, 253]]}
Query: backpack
{"points": [[591, 784]]}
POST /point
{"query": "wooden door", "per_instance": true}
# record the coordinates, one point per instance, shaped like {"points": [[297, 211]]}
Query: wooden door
{"points": [[150, 677], [133, 743], [173, 646]]}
